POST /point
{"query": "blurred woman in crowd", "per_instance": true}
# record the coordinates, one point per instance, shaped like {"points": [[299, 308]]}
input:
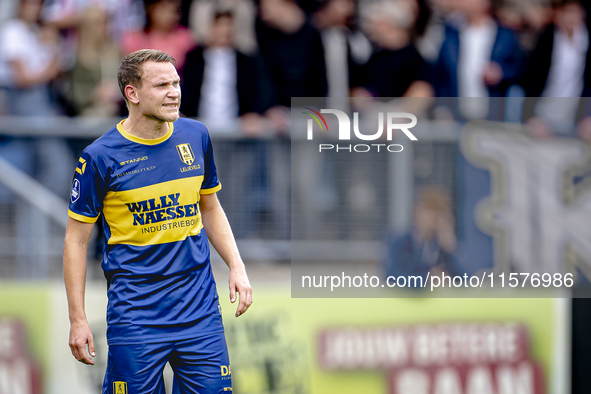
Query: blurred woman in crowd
{"points": [[94, 90], [162, 31], [28, 62]]}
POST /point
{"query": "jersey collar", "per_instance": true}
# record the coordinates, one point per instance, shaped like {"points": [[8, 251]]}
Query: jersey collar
{"points": [[144, 141]]}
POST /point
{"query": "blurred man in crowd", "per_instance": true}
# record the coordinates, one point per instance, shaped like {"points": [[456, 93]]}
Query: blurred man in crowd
{"points": [[220, 83], [293, 53], [396, 69], [557, 70], [201, 16], [345, 50], [430, 244], [477, 59]]}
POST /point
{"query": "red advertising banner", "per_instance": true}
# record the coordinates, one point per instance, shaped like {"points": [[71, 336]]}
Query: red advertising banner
{"points": [[463, 358], [19, 373], [523, 377]]}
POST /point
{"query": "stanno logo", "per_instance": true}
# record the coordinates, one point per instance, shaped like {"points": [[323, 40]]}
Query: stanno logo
{"points": [[344, 132], [119, 388], [186, 153], [132, 161]]}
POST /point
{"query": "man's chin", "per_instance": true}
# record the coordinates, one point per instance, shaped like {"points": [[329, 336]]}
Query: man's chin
{"points": [[172, 117]]}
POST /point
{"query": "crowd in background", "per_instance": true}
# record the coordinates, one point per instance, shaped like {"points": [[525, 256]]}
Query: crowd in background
{"points": [[241, 61]]}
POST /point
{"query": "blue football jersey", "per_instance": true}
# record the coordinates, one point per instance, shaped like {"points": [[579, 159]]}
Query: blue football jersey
{"points": [[156, 255]]}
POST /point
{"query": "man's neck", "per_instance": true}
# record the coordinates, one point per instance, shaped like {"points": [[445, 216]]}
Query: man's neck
{"points": [[144, 127], [479, 20]]}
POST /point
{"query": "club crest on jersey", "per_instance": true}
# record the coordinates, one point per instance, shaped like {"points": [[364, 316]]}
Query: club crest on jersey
{"points": [[186, 153], [75, 193], [119, 388]]}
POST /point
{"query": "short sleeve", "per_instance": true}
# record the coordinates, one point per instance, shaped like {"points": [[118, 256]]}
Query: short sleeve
{"points": [[86, 196], [11, 42], [211, 184]]}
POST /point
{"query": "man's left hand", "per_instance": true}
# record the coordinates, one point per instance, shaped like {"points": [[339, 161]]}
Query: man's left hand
{"points": [[239, 284]]}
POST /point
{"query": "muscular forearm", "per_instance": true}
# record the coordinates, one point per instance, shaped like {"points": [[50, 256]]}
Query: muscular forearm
{"points": [[221, 237], [75, 248], [75, 278]]}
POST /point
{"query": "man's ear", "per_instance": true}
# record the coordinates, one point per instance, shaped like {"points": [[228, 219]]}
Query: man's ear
{"points": [[131, 94]]}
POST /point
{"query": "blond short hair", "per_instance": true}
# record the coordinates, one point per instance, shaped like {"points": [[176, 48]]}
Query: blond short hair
{"points": [[130, 70]]}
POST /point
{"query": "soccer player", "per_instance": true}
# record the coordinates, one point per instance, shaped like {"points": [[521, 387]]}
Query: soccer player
{"points": [[152, 180]]}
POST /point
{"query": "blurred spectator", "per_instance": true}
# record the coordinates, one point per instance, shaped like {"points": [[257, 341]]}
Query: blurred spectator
{"points": [[66, 16], [220, 83], [431, 242], [292, 50], [162, 31], [201, 16], [396, 69], [509, 15], [558, 68], [345, 51], [8, 9], [535, 18], [479, 58], [94, 87], [28, 62], [429, 30]]}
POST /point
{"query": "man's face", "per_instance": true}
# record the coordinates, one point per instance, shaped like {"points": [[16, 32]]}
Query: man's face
{"points": [[160, 92], [340, 11], [569, 16], [222, 32]]}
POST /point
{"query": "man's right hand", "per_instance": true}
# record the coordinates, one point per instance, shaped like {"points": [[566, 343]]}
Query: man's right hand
{"points": [[80, 335]]}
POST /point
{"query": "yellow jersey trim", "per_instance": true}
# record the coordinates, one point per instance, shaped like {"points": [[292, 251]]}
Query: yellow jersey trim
{"points": [[144, 141], [212, 190], [80, 218]]}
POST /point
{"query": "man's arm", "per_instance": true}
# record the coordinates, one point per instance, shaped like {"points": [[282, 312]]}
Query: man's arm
{"points": [[75, 248], [220, 234]]}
